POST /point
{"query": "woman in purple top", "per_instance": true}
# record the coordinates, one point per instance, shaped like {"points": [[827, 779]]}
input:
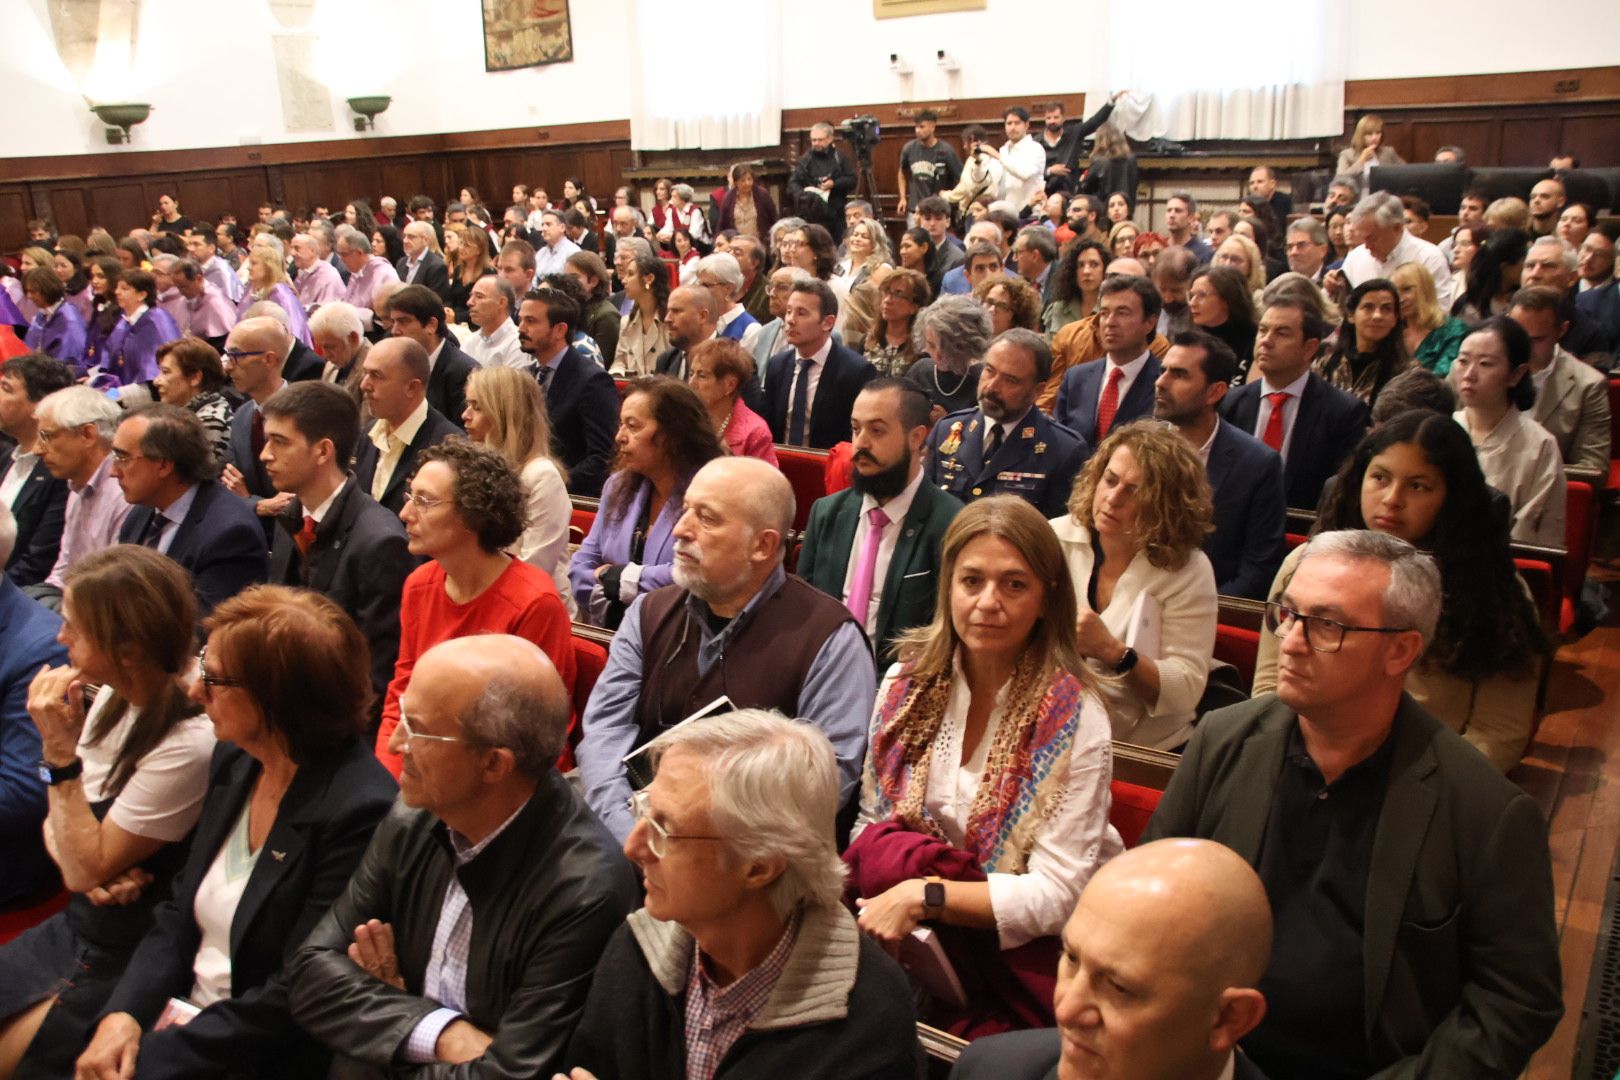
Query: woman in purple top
{"points": [[267, 280], [60, 333], [665, 437], [130, 355], [104, 317], [70, 271]]}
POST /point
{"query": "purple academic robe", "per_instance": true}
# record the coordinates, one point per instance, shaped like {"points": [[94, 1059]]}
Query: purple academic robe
{"points": [[85, 301], [60, 337], [284, 297], [130, 355]]}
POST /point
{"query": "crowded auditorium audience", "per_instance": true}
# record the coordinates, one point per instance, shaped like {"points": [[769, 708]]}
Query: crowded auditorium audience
{"points": [[751, 594]]}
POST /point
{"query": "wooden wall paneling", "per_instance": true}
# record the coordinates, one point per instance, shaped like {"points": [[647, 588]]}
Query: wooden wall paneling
{"points": [[15, 210], [68, 207], [1476, 137], [1595, 139], [294, 184], [1528, 140], [401, 178], [206, 197], [120, 207], [248, 190]]}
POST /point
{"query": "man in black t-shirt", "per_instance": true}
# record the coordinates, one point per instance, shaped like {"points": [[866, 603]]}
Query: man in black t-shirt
{"points": [[928, 165]]}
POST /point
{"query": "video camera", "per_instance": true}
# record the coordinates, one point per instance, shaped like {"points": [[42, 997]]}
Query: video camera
{"points": [[863, 134]]}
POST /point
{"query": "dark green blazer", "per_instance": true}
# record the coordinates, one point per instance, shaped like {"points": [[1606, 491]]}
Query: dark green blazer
{"points": [[912, 584], [1461, 964]]}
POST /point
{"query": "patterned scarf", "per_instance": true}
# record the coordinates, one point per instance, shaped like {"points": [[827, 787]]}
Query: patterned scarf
{"points": [[1025, 772]]}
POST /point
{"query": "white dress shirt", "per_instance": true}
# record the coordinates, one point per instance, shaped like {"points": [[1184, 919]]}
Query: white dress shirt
{"points": [[1290, 408], [1362, 265], [896, 508], [500, 349], [1128, 373], [1024, 171], [11, 485]]}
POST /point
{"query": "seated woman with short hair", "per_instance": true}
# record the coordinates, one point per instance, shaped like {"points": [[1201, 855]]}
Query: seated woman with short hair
{"points": [[285, 677], [1138, 516], [720, 370], [190, 374], [989, 763], [127, 778], [1416, 477]]}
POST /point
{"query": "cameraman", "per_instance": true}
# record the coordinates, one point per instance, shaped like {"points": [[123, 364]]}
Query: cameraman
{"points": [[981, 172], [823, 170]]}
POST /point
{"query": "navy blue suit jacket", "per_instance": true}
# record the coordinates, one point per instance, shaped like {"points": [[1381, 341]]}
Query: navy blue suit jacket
{"points": [[220, 543], [434, 430], [1601, 308], [1329, 425], [1076, 407], [842, 377], [432, 273], [583, 403], [239, 452], [1037, 462], [41, 512], [303, 364], [27, 643], [1251, 513], [1033, 1055], [447, 386]]}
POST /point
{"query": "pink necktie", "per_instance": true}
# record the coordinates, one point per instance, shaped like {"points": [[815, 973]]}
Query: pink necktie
{"points": [[860, 589]]}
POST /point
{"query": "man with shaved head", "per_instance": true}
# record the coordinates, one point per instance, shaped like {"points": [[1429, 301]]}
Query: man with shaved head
{"points": [[691, 316], [1158, 976], [253, 359], [734, 625], [468, 935]]}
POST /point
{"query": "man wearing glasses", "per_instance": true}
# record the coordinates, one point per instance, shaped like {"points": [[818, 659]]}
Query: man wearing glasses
{"points": [[469, 932], [1409, 881]]}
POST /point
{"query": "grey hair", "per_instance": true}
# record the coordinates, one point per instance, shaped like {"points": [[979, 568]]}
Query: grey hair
{"points": [[785, 224], [961, 324], [1383, 207], [528, 719], [353, 237], [1348, 182], [337, 318], [1569, 255], [635, 245], [1311, 228], [307, 238], [685, 192], [268, 309], [773, 793], [724, 266], [507, 290], [75, 406], [273, 242], [166, 263], [321, 230], [1455, 151], [8, 533], [767, 498], [1411, 600], [821, 127], [1040, 241]]}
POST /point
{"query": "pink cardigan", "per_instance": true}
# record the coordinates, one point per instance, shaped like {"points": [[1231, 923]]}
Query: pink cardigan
{"points": [[747, 435]]}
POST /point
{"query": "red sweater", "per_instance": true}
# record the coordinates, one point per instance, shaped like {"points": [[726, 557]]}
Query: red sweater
{"points": [[522, 601]]}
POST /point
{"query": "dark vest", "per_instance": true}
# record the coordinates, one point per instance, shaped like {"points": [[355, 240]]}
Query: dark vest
{"points": [[763, 667]]}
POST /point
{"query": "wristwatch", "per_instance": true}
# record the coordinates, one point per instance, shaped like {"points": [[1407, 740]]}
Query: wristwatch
{"points": [[933, 897], [60, 774], [1126, 662]]}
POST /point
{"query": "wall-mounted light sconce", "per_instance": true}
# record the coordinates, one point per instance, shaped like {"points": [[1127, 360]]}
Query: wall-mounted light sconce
{"points": [[120, 118], [368, 108]]}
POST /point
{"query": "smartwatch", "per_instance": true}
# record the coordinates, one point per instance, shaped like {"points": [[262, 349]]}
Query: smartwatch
{"points": [[60, 774], [933, 898], [1126, 662]]}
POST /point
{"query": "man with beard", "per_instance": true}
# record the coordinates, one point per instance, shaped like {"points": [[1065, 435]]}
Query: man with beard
{"points": [[735, 625], [877, 543], [1062, 143], [1007, 446], [580, 396], [1173, 271]]}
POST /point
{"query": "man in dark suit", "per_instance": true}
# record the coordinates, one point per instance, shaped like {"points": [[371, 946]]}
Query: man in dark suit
{"points": [[581, 398], [691, 316], [1409, 881], [1263, 184], [394, 382], [38, 500], [1157, 981], [333, 537], [421, 265], [1245, 475], [1100, 395], [1598, 301], [417, 312], [876, 544], [164, 461], [811, 387], [1319, 424], [299, 363], [253, 361], [1032, 457]]}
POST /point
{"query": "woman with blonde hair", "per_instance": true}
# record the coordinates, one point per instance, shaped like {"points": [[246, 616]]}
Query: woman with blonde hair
{"points": [[267, 280], [1242, 254], [1366, 148], [1133, 538], [507, 412], [468, 256], [1432, 336], [1122, 237], [987, 740]]}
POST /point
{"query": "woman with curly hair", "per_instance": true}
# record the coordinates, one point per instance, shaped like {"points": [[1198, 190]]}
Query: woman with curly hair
{"points": [[987, 741], [464, 512], [1133, 538], [950, 336], [1011, 301], [665, 437], [1416, 476], [1080, 271]]}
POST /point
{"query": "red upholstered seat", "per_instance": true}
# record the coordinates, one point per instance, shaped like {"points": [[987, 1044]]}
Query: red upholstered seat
{"points": [[839, 465], [1547, 594], [1580, 536], [15, 922], [621, 384], [1294, 540], [579, 524], [1614, 429], [1239, 647], [590, 659], [806, 470], [1132, 806]]}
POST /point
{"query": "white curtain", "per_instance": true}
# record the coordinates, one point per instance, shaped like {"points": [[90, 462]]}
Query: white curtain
{"points": [[1198, 70], [685, 94]]}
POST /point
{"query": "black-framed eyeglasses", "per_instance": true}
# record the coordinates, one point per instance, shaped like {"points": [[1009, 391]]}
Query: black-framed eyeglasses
{"points": [[210, 683], [232, 356], [1322, 634]]}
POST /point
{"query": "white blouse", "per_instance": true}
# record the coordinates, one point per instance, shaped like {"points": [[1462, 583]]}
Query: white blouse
{"points": [[163, 796], [544, 543], [1072, 843], [1521, 460], [1188, 600], [219, 894]]}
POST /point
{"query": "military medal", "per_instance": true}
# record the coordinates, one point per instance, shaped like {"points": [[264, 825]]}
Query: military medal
{"points": [[1040, 448], [953, 440]]}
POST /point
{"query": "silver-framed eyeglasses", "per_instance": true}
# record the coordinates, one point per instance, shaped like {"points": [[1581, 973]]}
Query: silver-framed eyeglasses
{"points": [[1322, 634], [417, 736], [658, 837], [424, 502]]}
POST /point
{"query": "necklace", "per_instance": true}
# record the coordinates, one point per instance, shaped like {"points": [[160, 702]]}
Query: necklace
{"points": [[948, 393], [727, 422]]}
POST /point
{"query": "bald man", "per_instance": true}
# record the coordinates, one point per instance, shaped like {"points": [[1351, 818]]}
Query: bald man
{"points": [[691, 316], [734, 624], [470, 930], [1157, 980], [421, 265], [254, 356]]}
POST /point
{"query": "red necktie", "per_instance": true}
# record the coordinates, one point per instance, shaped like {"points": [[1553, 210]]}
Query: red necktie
{"points": [[1109, 405], [306, 535], [1273, 436]]}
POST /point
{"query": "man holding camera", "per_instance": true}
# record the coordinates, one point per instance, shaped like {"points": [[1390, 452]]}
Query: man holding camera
{"points": [[823, 174]]}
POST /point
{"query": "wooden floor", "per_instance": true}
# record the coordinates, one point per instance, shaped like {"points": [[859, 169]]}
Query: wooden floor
{"points": [[1573, 772]]}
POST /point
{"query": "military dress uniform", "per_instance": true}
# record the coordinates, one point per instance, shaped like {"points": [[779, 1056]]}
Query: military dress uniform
{"points": [[1038, 460]]}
